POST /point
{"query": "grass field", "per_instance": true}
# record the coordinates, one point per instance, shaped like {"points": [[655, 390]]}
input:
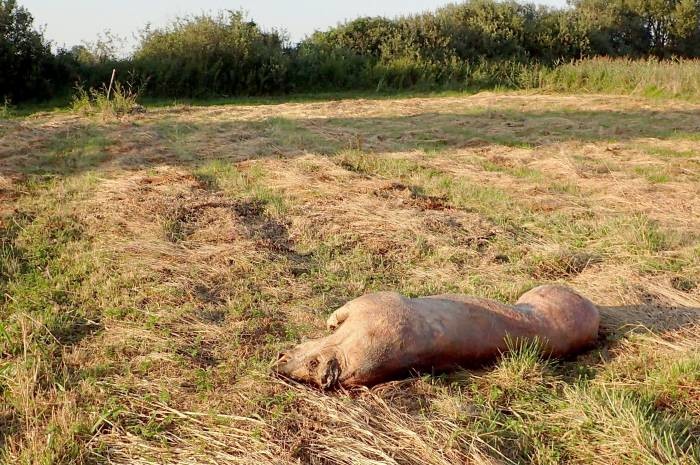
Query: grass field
{"points": [[152, 267]]}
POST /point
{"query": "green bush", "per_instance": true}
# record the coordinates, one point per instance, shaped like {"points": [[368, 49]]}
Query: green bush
{"points": [[212, 55], [26, 61], [317, 65], [475, 44]]}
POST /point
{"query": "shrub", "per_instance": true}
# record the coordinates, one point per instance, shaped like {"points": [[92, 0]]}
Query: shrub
{"points": [[476, 44], [212, 55], [26, 62], [120, 100]]}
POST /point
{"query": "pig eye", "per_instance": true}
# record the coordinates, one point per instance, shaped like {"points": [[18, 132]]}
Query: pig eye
{"points": [[313, 363]]}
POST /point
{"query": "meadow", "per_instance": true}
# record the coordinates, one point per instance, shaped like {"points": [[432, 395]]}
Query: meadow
{"points": [[153, 265]]}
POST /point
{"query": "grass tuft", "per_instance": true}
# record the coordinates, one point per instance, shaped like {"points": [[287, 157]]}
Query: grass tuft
{"points": [[119, 101]]}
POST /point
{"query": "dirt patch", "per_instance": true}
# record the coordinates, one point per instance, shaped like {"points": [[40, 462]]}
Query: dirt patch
{"points": [[411, 195], [564, 264], [270, 232]]}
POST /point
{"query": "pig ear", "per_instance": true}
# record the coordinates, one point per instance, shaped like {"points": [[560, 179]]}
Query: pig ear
{"points": [[331, 373]]}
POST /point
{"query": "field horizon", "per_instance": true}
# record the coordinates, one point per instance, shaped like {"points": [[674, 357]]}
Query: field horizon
{"points": [[153, 266]]}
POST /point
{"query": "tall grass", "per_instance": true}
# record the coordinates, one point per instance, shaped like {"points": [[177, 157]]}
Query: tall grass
{"points": [[676, 78], [6, 108], [117, 101]]}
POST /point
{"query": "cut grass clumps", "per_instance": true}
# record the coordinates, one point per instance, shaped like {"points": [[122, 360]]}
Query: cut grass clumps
{"points": [[41, 277], [370, 164], [222, 175], [653, 174], [683, 283], [529, 407], [465, 193], [72, 152], [289, 133], [669, 153], [145, 295], [624, 427], [523, 172], [46, 309], [646, 235]]}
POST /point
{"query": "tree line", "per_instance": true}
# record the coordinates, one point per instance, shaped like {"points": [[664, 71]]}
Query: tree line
{"points": [[478, 43]]}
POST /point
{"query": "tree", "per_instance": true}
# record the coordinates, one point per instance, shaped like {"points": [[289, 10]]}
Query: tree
{"points": [[685, 29], [26, 61], [662, 28]]}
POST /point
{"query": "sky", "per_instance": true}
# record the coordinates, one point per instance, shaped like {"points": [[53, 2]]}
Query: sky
{"points": [[70, 22]]}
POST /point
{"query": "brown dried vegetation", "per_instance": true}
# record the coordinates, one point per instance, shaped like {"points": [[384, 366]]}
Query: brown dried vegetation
{"points": [[153, 267]]}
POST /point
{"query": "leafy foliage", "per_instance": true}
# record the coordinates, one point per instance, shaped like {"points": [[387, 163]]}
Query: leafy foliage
{"points": [[223, 54], [477, 43], [25, 56]]}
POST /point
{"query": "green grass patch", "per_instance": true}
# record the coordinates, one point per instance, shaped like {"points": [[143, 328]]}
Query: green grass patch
{"points": [[671, 153], [522, 172], [70, 152], [653, 174]]}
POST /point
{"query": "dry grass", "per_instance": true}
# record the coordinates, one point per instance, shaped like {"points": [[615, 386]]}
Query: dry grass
{"points": [[152, 268]]}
